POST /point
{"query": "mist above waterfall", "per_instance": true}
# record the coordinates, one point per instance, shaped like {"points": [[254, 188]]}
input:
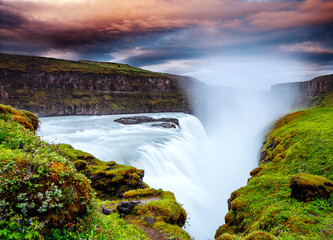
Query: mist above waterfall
{"points": [[236, 121]]}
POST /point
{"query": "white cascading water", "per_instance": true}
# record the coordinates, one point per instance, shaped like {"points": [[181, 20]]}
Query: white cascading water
{"points": [[200, 167]]}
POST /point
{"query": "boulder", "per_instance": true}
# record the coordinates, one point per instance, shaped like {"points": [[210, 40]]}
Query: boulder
{"points": [[106, 211], [307, 187], [145, 119], [125, 208]]}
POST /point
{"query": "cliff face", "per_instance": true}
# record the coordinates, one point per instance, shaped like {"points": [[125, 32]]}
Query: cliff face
{"points": [[318, 85], [306, 93], [50, 87]]}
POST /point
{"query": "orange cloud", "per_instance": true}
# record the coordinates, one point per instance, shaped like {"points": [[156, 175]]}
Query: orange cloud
{"points": [[142, 15]]}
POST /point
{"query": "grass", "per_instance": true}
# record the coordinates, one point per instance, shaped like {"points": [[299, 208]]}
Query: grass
{"points": [[54, 191], [297, 149], [28, 63]]}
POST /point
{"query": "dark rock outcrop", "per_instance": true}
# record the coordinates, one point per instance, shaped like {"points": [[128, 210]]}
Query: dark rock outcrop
{"points": [[127, 207], [164, 125], [145, 119], [106, 211]]}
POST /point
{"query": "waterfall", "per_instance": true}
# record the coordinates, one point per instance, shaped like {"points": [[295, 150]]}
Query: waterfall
{"points": [[201, 166]]}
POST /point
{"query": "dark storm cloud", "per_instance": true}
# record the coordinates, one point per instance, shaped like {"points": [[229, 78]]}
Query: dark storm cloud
{"points": [[10, 20], [166, 30]]}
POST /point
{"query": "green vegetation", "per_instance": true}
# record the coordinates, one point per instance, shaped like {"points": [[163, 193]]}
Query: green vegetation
{"points": [[49, 191], [289, 194], [110, 180], [28, 63], [161, 206]]}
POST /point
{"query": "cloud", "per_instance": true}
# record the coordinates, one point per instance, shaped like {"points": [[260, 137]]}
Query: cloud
{"points": [[305, 13], [308, 46], [166, 32]]}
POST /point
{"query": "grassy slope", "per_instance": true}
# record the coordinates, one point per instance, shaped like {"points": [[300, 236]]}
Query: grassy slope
{"points": [[301, 142], [42, 194], [26, 63]]}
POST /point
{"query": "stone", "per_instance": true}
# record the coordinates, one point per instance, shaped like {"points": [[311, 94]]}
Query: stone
{"points": [[164, 125], [149, 220], [106, 211], [307, 187], [126, 207], [145, 119]]}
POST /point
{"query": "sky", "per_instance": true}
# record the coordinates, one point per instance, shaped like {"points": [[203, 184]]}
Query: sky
{"points": [[222, 42]]}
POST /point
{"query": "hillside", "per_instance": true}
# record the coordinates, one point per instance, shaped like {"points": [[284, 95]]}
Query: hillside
{"points": [[49, 87], [52, 191], [289, 196]]}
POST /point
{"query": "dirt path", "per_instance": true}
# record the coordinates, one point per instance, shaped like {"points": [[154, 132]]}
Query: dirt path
{"points": [[153, 234]]}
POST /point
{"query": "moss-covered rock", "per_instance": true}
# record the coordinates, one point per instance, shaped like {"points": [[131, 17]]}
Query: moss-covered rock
{"points": [[142, 193], [109, 179], [307, 187], [259, 235], [166, 208], [156, 209], [225, 236], [25, 118]]}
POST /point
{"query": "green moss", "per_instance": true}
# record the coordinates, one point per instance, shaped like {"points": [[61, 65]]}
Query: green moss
{"points": [[109, 179], [297, 151], [168, 209], [26, 119], [307, 187], [172, 231], [259, 235], [23, 63], [225, 236], [36, 181], [42, 180], [142, 193]]}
